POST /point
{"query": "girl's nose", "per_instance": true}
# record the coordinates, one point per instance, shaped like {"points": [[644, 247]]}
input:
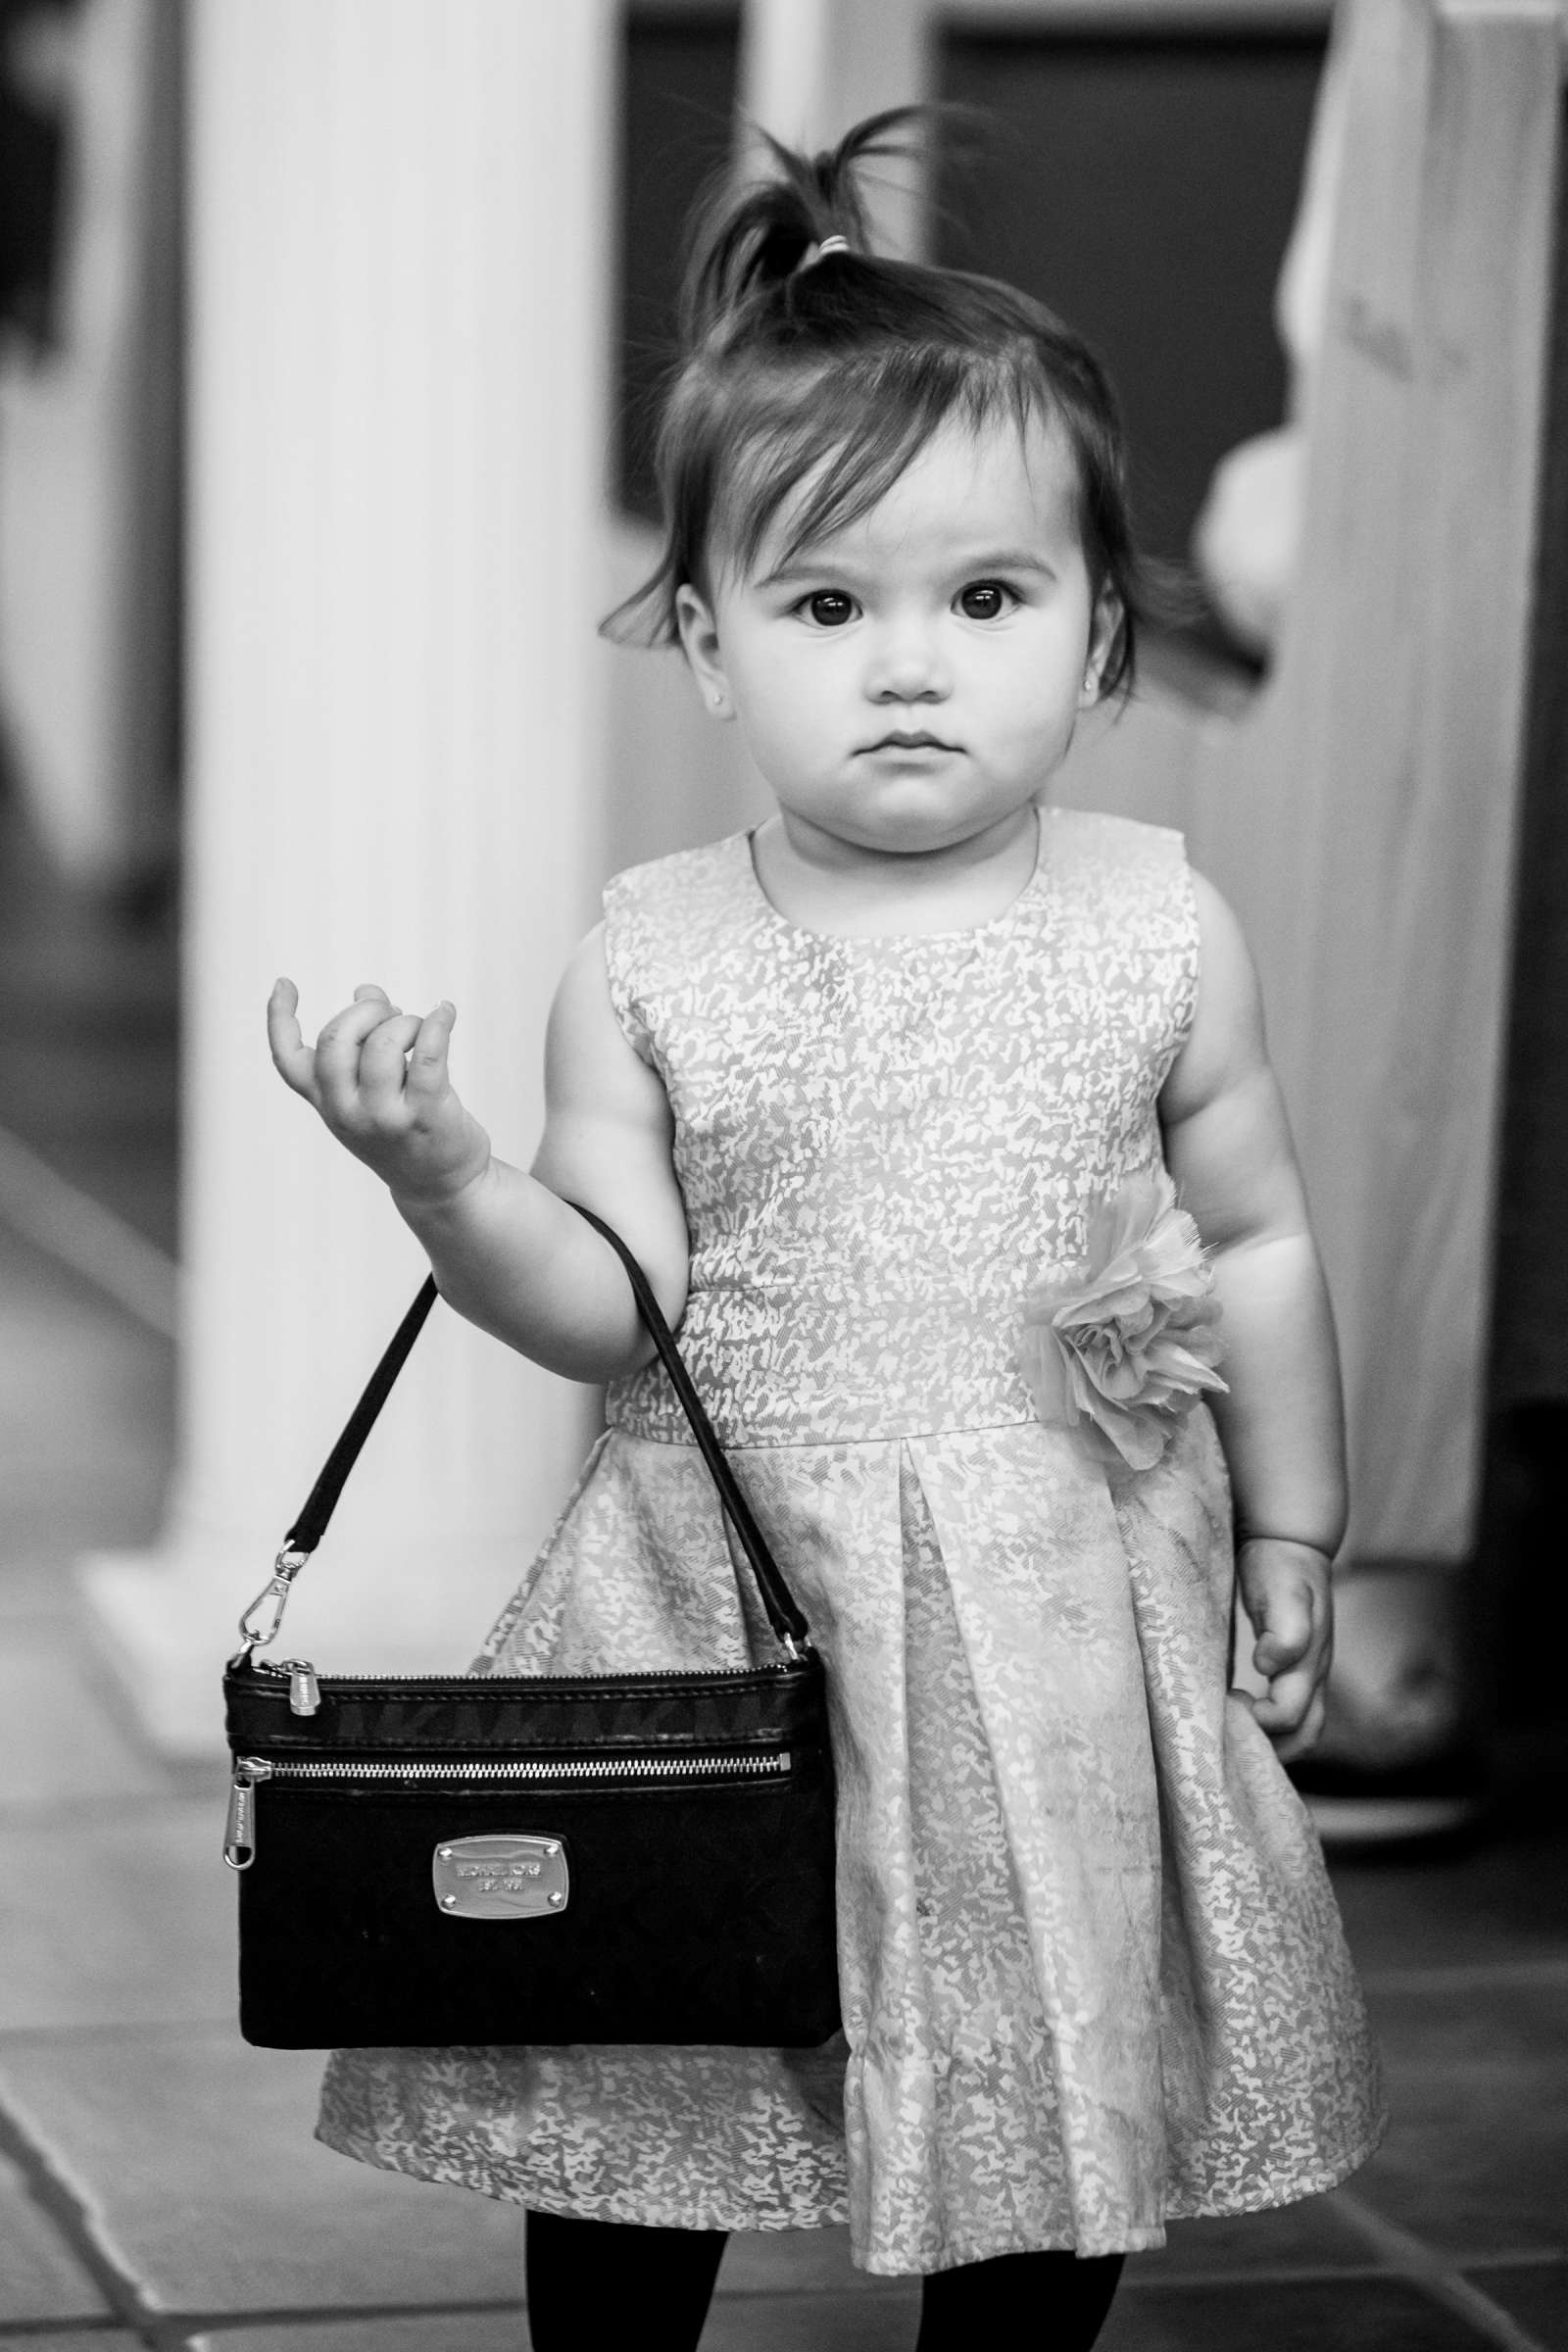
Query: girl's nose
{"points": [[907, 667]]}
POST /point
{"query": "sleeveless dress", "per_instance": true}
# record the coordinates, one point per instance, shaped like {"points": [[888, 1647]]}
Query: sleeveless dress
{"points": [[1093, 1972]]}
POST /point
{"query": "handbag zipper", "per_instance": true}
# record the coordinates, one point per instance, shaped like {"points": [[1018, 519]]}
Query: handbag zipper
{"points": [[556, 1772], [305, 1688]]}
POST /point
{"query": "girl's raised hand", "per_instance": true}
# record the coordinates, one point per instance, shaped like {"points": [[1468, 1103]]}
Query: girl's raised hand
{"points": [[379, 1078]]}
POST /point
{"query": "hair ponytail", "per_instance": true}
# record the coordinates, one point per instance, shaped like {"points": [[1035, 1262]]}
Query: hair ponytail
{"points": [[749, 241]]}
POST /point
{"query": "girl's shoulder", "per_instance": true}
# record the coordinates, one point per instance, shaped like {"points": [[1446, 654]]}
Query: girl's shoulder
{"points": [[715, 874], [678, 868], [1120, 870], [1093, 842], [679, 930], [1123, 905]]}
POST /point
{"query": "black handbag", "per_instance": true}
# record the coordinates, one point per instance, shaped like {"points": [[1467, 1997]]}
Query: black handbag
{"points": [[428, 1859]]}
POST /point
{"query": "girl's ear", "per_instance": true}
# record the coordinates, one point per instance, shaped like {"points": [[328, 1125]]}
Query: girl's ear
{"points": [[699, 637], [1103, 630]]}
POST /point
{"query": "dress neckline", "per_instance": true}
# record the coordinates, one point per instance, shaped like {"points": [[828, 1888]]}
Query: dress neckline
{"points": [[746, 848]]}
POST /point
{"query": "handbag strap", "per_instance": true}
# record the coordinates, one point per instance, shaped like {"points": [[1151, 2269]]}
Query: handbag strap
{"points": [[321, 1503], [783, 1613]]}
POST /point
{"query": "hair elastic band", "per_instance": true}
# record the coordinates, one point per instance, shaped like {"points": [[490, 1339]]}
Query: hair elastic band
{"points": [[815, 253]]}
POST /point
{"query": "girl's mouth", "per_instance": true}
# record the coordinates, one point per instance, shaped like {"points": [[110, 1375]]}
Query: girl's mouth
{"points": [[912, 743]]}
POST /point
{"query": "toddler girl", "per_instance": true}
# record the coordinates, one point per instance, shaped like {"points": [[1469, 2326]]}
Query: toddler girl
{"points": [[884, 1095]]}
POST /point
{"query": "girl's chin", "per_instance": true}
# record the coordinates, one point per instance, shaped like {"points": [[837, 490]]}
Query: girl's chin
{"points": [[931, 807], [903, 835]]}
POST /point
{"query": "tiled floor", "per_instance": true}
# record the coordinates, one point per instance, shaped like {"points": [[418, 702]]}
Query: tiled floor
{"points": [[158, 2185]]}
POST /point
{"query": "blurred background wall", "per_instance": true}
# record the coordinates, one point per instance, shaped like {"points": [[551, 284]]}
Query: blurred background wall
{"points": [[333, 330]]}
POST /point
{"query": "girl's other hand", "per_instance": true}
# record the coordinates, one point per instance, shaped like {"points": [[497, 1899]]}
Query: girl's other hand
{"points": [[379, 1078], [1285, 1593]]}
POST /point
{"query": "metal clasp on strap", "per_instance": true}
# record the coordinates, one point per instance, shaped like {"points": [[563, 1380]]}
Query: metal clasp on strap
{"points": [[263, 1620]]}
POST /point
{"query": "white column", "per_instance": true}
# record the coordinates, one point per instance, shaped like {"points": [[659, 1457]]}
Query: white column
{"points": [[399, 283]]}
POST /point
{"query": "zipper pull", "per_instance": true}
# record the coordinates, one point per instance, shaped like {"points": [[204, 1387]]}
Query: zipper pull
{"points": [[304, 1691], [239, 1830]]}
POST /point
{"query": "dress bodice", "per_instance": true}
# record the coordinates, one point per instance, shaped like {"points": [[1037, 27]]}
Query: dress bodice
{"points": [[882, 1142]]}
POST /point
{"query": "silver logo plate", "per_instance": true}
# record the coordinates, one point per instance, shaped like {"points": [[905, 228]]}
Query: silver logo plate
{"points": [[500, 1877]]}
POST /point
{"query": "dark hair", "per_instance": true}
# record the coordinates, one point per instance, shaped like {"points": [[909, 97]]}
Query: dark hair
{"points": [[842, 371]]}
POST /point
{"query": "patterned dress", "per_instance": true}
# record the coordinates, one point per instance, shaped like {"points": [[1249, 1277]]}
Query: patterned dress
{"points": [[1092, 1971]]}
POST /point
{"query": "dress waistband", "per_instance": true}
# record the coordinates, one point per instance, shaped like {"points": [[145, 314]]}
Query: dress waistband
{"points": [[773, 1374]]}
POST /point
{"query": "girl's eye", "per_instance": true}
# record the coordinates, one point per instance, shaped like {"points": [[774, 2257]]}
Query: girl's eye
{"points": [[984, 600], [830, 608]]}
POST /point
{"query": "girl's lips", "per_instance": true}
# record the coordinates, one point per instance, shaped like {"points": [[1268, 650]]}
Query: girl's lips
{"points": [[912, 743]]}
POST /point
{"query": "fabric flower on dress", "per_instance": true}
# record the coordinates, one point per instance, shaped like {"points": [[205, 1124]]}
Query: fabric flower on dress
{"points": [[1122, 1344]]}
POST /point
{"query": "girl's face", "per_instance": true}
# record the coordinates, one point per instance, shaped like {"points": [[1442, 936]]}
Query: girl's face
{"points": [[913, 681]]}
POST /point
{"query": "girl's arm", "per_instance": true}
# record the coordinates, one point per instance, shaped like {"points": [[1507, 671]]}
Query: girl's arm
{"points": [[505, 1249], [1229, 1150]]}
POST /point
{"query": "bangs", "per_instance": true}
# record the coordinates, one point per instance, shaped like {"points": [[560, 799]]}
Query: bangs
{"points": [[778, 458]]}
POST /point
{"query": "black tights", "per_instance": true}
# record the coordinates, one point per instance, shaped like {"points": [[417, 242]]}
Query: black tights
{"points": [[611, 2282]]}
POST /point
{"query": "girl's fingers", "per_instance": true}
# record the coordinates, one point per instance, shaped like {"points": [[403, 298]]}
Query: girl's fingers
{"points": [[1285, 1706], [1297, 1743], [1291, 1732], [381, 1068], [1285, 1630], [1295, 1672], [1285, 1593], [292, 1058], [340, 1047], [427, 1077]]}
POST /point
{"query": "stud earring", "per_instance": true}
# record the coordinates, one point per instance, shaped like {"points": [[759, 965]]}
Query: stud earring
{"points": [[718, 695]]}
